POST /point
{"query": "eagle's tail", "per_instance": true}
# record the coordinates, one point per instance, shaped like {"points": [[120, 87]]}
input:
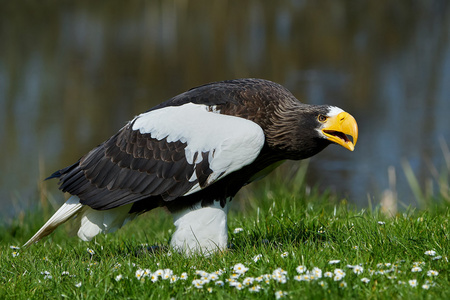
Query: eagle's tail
{"points": [[89, 223], [68, 210]]}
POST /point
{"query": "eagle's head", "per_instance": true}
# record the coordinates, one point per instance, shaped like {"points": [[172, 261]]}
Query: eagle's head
{"points": [[303, 130]]}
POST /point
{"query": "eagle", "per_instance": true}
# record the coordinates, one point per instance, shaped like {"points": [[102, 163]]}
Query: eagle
{"points": [[191, 154]]}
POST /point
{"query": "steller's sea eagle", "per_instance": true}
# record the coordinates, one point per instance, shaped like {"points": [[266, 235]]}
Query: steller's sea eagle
{"points": [[192, 154]]}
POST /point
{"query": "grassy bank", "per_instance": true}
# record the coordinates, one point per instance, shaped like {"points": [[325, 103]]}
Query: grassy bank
{"points": [[299, 246]]}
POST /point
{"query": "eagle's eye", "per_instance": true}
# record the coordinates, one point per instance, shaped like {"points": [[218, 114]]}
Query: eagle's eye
{"points": [[322, 118]]}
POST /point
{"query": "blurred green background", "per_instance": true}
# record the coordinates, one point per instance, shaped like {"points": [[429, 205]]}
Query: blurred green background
{"points": [[73, 72]]}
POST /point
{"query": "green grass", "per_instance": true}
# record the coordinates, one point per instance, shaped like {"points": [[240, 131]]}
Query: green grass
{"points": [[278, 219]]}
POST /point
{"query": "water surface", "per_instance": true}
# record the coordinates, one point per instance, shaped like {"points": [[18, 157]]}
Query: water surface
{"points": [[72, 74]]}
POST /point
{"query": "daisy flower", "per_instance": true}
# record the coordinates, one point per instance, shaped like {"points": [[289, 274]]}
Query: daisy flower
{"points": [[139, 274], [280, 271], [343, 285], [358, 270], [316, 273], [219, 272], [90, 251], [381, 223], [425, 286], [219, 283], [284, 254], [323, 284], [300, 269], [237, 230], [430, 252], [298, 277], [339, 272], [257, 257], [15, 254], [240, 268], [418, 264], [280, 294], [183, 276], [154, 277], [338, 277], [255, 289], [432, 273], [279, 275], [198, 283], [237, 285], [201, 273], [416, 269], [413, 282], [213, 276], [65, 273], [78, 284], [248, 281], [146, 273], [118, 277], [365, 280], [328, 274], [14, 247]]}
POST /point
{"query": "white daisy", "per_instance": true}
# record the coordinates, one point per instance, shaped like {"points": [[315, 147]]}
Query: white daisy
{"points": [[413, 282], [257, 257], [255, 289], [219, 283], [240, 268], [365, 280], [280, 294], [237, 230], [358, 270], [328, 274], [139, 274]]}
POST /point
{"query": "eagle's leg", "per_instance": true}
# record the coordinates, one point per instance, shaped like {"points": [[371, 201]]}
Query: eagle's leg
{"points": [[200, 229]]}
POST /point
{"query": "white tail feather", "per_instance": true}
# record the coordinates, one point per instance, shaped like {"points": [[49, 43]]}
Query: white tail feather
{"points": [[65, 212], [90, 221]]}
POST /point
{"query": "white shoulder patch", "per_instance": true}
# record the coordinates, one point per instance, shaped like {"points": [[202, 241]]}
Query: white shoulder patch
{"points": [[232, 142]]}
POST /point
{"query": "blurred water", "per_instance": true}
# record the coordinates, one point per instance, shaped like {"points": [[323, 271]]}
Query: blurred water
{"points": [[72, 74]]}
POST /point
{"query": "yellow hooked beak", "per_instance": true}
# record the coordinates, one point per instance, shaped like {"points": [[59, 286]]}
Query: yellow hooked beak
{"points": [[338, 127]]}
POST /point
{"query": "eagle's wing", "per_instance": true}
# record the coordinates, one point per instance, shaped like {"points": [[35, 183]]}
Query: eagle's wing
{"points": [[168, 152]]}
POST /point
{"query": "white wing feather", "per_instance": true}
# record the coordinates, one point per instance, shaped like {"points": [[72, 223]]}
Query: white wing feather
{"points": [[232, 142]]}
